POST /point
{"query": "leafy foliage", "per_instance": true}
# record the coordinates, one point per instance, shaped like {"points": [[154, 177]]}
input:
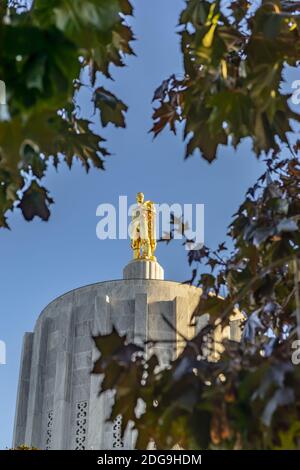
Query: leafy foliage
{"points": [[233, 66], [248, 398], [226, 394], [24, 447], [45, 50], [116, 356]]}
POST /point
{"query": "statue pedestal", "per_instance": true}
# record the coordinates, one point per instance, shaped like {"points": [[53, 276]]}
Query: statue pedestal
{"points": [[143, 269]]}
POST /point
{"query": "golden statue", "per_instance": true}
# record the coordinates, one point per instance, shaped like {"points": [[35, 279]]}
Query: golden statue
{"points": [[143, 229]]}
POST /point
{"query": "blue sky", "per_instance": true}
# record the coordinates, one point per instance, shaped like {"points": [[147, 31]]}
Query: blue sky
{"points": [[40, 261]]}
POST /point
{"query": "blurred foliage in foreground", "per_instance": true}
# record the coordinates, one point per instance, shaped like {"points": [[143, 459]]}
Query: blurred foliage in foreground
{"points": [[24, 447], [250, 397], [44, 51], [234, 60]]}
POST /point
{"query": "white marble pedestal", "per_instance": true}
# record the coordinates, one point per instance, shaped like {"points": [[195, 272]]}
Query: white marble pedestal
{"points": [[143, 269]]}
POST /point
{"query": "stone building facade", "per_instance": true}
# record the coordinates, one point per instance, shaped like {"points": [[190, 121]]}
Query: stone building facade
{"points": [[58, 406]]}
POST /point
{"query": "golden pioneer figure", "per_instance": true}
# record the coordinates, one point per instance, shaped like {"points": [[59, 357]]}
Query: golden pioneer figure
{"points": [[143, 229]]}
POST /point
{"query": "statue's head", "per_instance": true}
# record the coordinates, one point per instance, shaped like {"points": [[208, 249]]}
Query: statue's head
{"points": [[140, 198]]}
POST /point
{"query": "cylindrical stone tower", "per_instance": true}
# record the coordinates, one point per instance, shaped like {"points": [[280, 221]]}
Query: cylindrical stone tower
{"points": [[58, 406]]}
